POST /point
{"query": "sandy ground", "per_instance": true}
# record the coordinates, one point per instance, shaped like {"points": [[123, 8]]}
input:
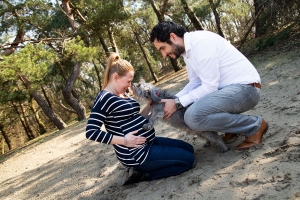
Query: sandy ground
{"points": [[65, 165]]}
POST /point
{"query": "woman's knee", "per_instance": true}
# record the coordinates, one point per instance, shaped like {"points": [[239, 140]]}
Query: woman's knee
{"points": [[184, 158], [192, 162], [187, 163]]}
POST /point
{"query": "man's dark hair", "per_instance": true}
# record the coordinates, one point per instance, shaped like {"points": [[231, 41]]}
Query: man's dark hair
{"points": [[161, 32]]}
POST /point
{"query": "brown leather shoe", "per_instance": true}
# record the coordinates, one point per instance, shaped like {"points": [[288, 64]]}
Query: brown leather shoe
{"points": [[229, 137], [255, 138]]}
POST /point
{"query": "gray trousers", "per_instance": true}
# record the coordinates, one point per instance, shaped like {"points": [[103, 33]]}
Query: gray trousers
{"points": [[220, 111]]}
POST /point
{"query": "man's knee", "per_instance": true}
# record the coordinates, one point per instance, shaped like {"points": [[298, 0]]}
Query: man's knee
{"points": [[187, 116], [192, 120]]}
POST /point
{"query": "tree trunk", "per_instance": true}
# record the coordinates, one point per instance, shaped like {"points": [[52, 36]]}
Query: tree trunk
{"points": [[29, 135], [242, 41], [77, 12], [68, 12], [57, 121], [146, 57], [67, 93], [98, 74], [66, 108], [2, 146], [217, 17], [258, 7], [112, 39], [104, 46], [15, 43], [6, 138], [46, 96], [195, 21], [160, 16], [175, 64], [42, 127], [74, 93], [26, 120]]}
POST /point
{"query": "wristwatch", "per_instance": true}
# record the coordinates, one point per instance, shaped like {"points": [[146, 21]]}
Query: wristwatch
{"points": [[177, 103]]}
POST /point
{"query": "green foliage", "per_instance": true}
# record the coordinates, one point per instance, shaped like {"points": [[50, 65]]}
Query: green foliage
{"points": [[262, 44], [32, 15], [76, 48], [32, 61], [284, 34], [103, 12], [202, 10], [272, 39], [11, 95], [275, 14]]}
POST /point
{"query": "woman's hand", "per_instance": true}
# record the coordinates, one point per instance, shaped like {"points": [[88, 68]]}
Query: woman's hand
{"points": [[130, 140]]}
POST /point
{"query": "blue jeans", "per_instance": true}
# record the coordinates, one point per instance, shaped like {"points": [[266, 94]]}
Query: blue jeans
{"points": [[167, 157], [220, 111]]}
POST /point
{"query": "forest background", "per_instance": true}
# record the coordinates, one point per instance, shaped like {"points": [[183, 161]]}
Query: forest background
{"points": [[53, 53]]}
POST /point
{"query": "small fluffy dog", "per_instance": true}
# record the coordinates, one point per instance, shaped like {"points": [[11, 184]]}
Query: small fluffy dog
{"points": [[150, 93]]}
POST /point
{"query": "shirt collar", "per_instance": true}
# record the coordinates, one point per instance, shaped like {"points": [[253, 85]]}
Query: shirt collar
{"points": [[187, 44]]}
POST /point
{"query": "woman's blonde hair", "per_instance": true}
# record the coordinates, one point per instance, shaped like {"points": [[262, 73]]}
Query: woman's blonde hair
{"points": [[116, 65]]}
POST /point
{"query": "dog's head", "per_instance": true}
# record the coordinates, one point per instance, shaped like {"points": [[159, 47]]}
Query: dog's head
{"points": [[146, 91], [142, 90]]}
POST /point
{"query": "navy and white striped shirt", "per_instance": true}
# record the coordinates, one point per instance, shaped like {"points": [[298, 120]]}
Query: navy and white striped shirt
{"points": [[120, 117]]}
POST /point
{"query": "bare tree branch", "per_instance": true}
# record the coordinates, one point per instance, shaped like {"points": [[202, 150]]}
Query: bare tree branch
{"points": [[78, 12], [65, 107], [32, 41]]}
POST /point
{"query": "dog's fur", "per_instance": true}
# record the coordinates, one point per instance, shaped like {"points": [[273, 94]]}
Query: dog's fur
{"points": [[150, 93]]}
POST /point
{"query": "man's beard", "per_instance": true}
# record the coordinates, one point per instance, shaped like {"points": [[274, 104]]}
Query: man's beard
{"points": [[177, 50]]}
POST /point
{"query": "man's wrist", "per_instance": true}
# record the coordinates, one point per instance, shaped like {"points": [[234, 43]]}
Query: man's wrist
{"points": [[178, 103]]}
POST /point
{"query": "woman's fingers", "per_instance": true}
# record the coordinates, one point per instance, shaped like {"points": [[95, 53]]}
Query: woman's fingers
{"points": [[134, 141]]}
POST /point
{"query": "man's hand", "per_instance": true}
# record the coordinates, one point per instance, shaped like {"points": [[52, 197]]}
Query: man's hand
{"points": [[169, 107]]}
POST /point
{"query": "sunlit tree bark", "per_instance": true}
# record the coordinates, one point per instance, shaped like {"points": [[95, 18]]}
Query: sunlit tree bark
{"points": [[195, 21], [145, 56], [217, 17], [160, 16], [6, 138], [57, 121], [41, 125], [67, 93]]}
